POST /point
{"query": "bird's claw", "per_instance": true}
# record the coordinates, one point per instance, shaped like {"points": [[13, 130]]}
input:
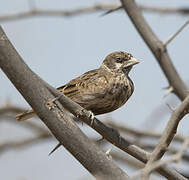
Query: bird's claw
{"points": [[108, 153], [89, 115]]}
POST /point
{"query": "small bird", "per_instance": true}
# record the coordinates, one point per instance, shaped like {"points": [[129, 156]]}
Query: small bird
{"points": [[102, 90]]}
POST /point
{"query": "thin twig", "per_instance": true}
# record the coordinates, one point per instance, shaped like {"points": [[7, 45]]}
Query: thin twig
{"points": [[168, 133], [173, 158], [170, 107], [56, 13], [11, 109], [169, 90], [34, 11], [139, 132], [24, 143], [152, 9], [176, 33], [170, 150]]}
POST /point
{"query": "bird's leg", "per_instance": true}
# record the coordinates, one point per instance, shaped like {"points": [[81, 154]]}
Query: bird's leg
{"points": [[85, 113]]}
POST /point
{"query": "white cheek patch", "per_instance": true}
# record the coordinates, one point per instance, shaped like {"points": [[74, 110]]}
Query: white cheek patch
{"points": [[118, 65]]}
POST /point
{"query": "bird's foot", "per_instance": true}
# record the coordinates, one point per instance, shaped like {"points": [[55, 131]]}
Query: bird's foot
{"points": [[108, 153], [84, 113]]}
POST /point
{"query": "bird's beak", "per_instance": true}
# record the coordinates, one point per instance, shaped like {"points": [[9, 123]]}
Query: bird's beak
{"points": [[132, 62]]}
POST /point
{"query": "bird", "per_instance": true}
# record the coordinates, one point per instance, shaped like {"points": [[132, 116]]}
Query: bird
{"points": [[101, 90]]}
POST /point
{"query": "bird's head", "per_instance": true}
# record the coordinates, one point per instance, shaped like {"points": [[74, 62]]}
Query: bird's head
{"points": [[119, 62]]}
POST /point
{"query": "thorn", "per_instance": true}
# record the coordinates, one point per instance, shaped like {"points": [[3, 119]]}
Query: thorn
{"points": [[110, 11], [169, 106], [83, 112], [56, 98], [169, 90], [56, 147]]}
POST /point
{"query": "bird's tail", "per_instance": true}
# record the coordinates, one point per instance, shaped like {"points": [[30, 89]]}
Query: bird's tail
{"points": [[25, 115]]}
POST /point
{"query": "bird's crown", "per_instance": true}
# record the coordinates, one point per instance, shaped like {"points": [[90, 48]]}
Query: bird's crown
{"points": [[119, 62]]}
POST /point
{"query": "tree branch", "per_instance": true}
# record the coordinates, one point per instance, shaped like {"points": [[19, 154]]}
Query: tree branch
{"points": [[32, 88], [60, 123], [169, 132], [35, 12], [173, 158], [111, 135], [24, 143], [176, 33], [157, 48], [56, 13], [140, 133]]}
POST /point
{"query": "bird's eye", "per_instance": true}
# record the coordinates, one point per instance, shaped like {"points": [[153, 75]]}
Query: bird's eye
{"points": [[119, 60]]}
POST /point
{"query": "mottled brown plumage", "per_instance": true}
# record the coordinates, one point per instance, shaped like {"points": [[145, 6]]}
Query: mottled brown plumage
{"points": [[101, 90]]}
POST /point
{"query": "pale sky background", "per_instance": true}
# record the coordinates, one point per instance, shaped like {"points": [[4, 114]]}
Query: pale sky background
{"points": [[60, 49]]}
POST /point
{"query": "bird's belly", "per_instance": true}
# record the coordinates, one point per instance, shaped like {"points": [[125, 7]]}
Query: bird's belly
{"points": [[112, 100]]}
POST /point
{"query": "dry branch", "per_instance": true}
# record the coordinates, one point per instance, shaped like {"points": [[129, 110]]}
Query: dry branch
{"points": [[157, 48], [140, 133], [125, 145], [173, 158], [60, 123], [160, 52], [169, 132], [36, 12], [10, 109], [56, 13], [137, 151], [175, 34], [12, 145], [112, 136], [32, 88]]}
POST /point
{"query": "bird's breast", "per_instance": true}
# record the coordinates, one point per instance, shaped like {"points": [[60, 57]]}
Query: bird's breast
{"points": [[113, 92], [121, 89]]}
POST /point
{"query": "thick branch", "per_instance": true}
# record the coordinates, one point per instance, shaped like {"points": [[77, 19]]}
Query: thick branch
{"points": [[59, 122], [157, 48], [125, 145], [31, 87], [111, 135]]}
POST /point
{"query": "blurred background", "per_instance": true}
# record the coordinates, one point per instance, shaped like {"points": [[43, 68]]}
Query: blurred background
{"points": [[59, 49]]}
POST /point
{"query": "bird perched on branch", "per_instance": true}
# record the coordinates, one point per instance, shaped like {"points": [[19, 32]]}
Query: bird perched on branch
{"points": [[101, 90]]}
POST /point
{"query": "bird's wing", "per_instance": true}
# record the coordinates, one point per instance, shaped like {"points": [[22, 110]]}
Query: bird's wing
{"points": [[86, 88]]}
